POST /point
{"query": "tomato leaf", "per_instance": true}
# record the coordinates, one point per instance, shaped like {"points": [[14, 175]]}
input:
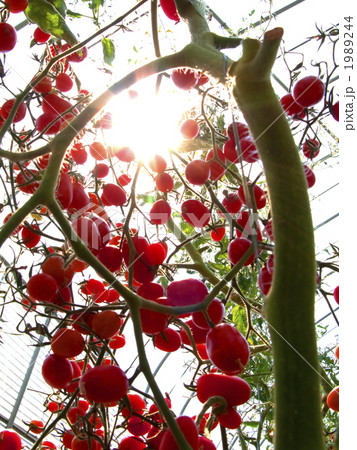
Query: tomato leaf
{"points": [[49, 19], [239, 318], [108, 51], [60, 5]]}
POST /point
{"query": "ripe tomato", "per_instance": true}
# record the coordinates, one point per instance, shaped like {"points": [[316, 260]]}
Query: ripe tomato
{"points": [[57, 371], [157, 163], [160, 212], [42, 287], [337, 352], [40, 36], [206, 444], [217, 169], [232, 202], [53, 407], [104, 384], [29, 238], [265, 279], [48, 445], [101, 170], [36, 426], [168, 340], [80, 198], [75, 57], [77, 372], [7, 107], [259, 196], [78, 153], [8, 37], [125, 154], [227, 348], [249, 151], [155, 254], [138, 426], [54, 104], [16, 6], [84, 442], [218, 234], [10, 440], [202, 351], [153, 322], [270, 263], [64, 190], [237, 249], [124, 179], [336, 294], [111, 257], [335, 111], [189, 291], [67, 343], [230, 419], [106, 324], [27, 180], [137, 405], [131, 443], [199, 334], [75, 414], [189, 429], [242, 130], [269, 230], [67, 439], [197, 172], [333, 399], [215, 312], [44, 86], [291, 108], [140, 244], [169, 9], [150, 291], [234, 389], [64, 82], [230, 151], [113, 195], [310, 176], [311, 148], [88, 232], [117, 341], [54, 265], [195, 213], [246, 221], [164, 182], [98, 151], [308, 91], [189, 128], [184, 78]]}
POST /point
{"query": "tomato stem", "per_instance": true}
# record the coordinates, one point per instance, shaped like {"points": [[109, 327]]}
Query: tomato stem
{"points": [[289, 305]]}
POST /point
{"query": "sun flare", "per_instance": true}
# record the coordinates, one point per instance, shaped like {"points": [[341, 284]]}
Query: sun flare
{"points": [[147, 123]]}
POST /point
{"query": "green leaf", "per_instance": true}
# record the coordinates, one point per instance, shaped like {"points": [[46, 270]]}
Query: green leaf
{"points": [[95, 4], [108, 51], [74, 14], [47, 17], [239, 318], [60, 5], [251, 423]]}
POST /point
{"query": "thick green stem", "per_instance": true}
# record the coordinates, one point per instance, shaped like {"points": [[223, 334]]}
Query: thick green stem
{"points": [[290, 303]]}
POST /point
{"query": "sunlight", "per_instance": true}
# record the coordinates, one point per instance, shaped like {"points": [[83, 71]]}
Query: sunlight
{"points": [[147, 123]]}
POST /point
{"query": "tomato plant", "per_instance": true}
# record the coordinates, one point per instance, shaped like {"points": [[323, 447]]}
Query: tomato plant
{"points": [[177, 231]]}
